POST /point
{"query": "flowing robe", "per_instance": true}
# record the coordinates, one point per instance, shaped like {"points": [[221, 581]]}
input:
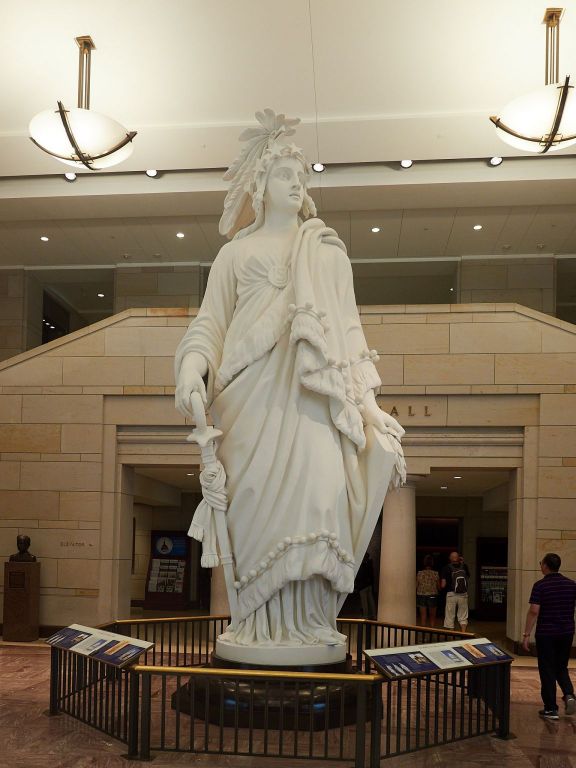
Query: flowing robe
{"points": [[288, 368]]}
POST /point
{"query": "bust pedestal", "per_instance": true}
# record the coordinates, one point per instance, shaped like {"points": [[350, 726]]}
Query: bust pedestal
{"points": [[21, 601]]}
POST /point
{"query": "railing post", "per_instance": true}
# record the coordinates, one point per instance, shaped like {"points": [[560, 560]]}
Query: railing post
{"points": [[54, 675], [359, 645], [503, 731], [133, 711], [360, 759], [145, 714], [375, 724]]}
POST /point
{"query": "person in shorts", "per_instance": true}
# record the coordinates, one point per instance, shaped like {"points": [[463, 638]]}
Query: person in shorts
{"points": [[427, 587]]}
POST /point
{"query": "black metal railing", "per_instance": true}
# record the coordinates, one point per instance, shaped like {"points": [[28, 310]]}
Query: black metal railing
{"points": [[173, 702]]}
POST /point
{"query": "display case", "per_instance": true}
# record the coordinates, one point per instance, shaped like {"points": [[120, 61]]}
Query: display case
{"points": [[168, 577]]}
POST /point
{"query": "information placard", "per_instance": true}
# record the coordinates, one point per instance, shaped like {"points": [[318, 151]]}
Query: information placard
{"points": [[168, 577], [111, 648], [411, 660]]}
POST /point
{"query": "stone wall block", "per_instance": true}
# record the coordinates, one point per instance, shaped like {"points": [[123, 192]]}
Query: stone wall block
{"points": [[15, 438], [449, 369], [54, 409], [61, 476], [408, 338], [535, 368]]}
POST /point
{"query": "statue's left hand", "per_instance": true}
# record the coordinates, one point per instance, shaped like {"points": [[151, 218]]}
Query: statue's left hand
{"points": [[373, 414]]}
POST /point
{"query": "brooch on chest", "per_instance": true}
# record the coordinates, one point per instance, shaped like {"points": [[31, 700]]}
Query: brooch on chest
{"points": [[278, 276]]}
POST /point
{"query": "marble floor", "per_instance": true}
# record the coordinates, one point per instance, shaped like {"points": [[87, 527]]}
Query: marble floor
{"points": [[29, 738]]}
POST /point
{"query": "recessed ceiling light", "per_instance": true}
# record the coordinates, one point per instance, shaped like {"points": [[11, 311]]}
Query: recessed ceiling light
{"points": [[375, 229], [100, 295], [70, 176], [494, 161], [152, 172], [44, 238], [189, 474], [457, 477], [451, 289], [443, 487], [53, 327], [180, 234], [318, 167], [406, 163], [477, 227]]}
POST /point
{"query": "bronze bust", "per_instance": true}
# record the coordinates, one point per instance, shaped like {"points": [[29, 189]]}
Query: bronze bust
{"points": [[23, 556]]}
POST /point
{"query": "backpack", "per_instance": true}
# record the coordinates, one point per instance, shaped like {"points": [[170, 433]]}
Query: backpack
{"points": [[459, 580]]}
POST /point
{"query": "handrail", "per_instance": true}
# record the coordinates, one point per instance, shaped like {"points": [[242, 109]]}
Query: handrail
{"points": [[346, 619], [260, 673], [166, 619]]}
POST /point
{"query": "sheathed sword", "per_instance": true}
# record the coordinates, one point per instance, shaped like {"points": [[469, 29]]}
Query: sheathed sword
{"points": [[205, 436]]}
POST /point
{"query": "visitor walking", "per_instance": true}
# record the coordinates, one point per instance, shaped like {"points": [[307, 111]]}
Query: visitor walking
{"points": [[552, 604]]}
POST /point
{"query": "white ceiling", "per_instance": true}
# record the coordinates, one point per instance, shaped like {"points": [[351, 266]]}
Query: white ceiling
{"points": [[373, 81], [404, 234], [474, 482], [383, 80]]}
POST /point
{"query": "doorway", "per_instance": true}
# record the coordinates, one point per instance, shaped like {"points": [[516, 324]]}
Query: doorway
{"points": [[466, 510], [167, 578]]}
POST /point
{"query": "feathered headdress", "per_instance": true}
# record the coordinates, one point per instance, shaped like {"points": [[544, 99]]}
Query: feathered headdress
{"points": [[248, 173]]}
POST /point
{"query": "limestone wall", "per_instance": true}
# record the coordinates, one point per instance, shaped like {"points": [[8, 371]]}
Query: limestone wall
{"points": [[11, 312], [527, 281], [156, 287], [477, 385]]}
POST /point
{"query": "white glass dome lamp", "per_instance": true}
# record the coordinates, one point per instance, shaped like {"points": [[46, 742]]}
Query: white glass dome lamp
{"points": [[80, 137], [543, 120]]}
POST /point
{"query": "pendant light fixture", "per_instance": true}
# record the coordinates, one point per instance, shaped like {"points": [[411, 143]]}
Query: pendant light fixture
{"points": [[80, 137], [543, 120]]}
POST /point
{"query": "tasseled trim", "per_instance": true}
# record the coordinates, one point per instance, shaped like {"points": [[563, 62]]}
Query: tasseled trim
{"points": [[203, 529], [203, 526], [287, 562], [325, 375], [399, 471], [364, 374]]}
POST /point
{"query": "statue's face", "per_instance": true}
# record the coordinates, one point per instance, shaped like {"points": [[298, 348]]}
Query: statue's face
{"points": [[285, 186]]}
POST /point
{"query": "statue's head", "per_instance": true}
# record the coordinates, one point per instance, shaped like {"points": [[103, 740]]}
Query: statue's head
{"points": [[22, 542], [267, 173]]}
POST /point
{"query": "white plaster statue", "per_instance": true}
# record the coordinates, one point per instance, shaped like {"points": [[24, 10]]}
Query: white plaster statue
{"points": [[307, 452]]}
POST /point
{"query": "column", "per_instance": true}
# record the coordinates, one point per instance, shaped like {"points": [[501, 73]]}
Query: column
{"points": [[397, 595], [218, 596]]}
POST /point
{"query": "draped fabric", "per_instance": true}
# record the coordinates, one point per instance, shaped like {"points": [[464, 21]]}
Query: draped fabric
{"points": [[288, 369]]}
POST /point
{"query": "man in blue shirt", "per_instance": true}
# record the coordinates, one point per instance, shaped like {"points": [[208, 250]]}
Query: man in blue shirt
{"points": [[552, 604]]}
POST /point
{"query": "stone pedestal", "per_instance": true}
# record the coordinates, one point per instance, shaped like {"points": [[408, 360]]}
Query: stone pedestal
{"points": [[397, 594], [21, 601]]}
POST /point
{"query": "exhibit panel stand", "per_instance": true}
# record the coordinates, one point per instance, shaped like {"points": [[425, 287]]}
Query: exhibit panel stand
{"points": [[21, 601]]}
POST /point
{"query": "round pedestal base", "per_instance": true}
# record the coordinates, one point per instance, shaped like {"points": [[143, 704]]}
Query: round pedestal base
{"points": [[280, 655], [270, 704]]}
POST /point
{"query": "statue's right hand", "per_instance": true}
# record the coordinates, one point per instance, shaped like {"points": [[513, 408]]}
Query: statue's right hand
{"points": [[190, 380], [186, 386]]}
